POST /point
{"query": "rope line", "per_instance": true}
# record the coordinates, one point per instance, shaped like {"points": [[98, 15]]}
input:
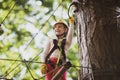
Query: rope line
{"points": [[28, 69], [9, 12], [13, 63], [39, 62], [20, 63], [21, 60], [11, 70]]}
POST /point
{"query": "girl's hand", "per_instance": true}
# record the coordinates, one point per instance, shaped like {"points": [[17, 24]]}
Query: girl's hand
{"points": [[44, 68], [71, 20]]}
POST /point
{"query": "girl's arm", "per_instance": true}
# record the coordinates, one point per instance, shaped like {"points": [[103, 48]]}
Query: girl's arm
{"points": [[46, 51], [69, 36], [43, 67]]}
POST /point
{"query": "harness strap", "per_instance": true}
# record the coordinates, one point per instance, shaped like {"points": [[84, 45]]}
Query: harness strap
{"points": [[55, 42], [63, 51], [54, 47]]}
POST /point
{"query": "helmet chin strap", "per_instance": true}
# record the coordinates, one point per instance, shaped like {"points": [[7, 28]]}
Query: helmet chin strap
{"points": [[61, 35]]}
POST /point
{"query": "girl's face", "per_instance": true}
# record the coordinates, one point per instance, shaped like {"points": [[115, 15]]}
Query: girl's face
{"points": [[59, 29]]}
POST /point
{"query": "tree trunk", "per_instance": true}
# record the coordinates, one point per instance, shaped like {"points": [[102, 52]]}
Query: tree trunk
{"points": [[98, 39]]}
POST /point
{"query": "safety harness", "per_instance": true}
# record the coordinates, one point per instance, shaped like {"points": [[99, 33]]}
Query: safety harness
{"points": [[63, 59]]}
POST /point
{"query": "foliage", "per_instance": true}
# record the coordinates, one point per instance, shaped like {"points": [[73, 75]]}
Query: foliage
{"points": [[26, 29]]}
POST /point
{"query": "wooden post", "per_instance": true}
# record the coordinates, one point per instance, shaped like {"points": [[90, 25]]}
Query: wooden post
{"points": [[65, 67]]}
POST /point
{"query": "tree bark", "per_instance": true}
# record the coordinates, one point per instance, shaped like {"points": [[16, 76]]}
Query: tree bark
{"points": [[98, 39]]}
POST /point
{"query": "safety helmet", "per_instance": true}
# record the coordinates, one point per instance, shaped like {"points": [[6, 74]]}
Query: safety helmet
{"points": [[65, 26], [60, 22]]}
